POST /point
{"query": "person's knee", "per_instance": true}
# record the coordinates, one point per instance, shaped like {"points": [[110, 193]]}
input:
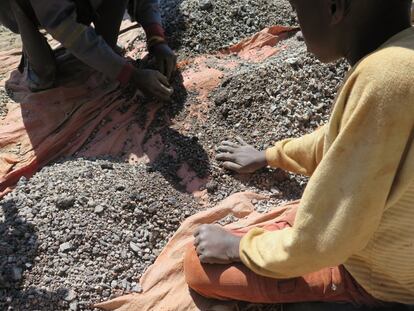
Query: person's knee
{"points": [[200, 278], [192, 268]]}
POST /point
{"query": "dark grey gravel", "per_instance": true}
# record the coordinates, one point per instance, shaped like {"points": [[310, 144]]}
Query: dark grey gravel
{"points": [[198, 26], [79, 254], [3, 99]]}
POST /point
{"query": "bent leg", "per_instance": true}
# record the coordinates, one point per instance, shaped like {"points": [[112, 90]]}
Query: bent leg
{"points": [[237, 282], [110, 15], [40, 58]]}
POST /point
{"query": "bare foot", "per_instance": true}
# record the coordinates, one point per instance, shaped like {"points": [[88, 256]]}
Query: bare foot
{"points": [[241, 157], [216, 245]]}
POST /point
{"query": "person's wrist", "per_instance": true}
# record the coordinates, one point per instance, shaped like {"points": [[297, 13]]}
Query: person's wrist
{"points": [[136, 76], [126, 74], [236, 249], [262, 159]]}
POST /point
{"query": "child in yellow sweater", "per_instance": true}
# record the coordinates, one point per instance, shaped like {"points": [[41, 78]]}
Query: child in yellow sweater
{"points": [[352, 236]]}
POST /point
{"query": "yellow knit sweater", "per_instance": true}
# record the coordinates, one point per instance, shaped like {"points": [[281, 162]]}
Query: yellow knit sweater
{"points": [[358, 207]]}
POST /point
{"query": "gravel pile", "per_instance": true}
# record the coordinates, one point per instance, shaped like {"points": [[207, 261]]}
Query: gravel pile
{"points": [[83, 231], [289, 95], [3, 99], [199, 26]]}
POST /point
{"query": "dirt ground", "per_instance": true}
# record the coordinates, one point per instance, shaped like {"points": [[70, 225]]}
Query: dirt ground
{"points": [[8, 40]]}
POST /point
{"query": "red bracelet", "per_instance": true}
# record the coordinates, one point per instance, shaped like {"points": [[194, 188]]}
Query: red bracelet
{"points": [[155, 40], [154, 29], [126, 73]]}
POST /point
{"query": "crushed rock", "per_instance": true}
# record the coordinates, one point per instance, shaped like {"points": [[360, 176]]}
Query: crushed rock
{"points": [[76, 250], [3, 100], [200, 26]]}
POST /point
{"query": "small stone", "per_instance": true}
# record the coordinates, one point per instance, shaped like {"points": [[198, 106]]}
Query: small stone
{"points": [[47, 279], [120, 188], [124, 254], [70, 295], [255, 133], [136, 197], [107, 166], [99, 209], [136, 288], [206, 5], [22, 181], [65, 247], [276, 192], [125, 284], [152, 208], [212, 186], [220, 99], [138, 213], [114, 284], [292, 60], [134, 247], [16, 274], [299, 36], [65, 202], [74, 306]]}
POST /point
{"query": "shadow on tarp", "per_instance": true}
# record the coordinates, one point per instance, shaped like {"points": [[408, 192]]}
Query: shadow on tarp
{"points": [[87, 116], [18, 249]]}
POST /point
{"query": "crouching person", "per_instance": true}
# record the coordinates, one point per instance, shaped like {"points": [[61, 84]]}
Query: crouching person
{"points": [[69, 22], [351, 238]]}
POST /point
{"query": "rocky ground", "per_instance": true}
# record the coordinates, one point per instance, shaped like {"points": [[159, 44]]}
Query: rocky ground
{"points": [[8, 40], [198, 26], [81, 231], [84, 230]]}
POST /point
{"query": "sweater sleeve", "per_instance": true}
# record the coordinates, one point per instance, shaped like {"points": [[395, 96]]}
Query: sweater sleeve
{"points": [[343, 203], [298, 155], [59, 19]]}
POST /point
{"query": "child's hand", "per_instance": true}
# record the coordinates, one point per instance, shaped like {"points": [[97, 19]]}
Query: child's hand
{"points": [[215, 245], [152, 83], [165, 59], [241, 157]]}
